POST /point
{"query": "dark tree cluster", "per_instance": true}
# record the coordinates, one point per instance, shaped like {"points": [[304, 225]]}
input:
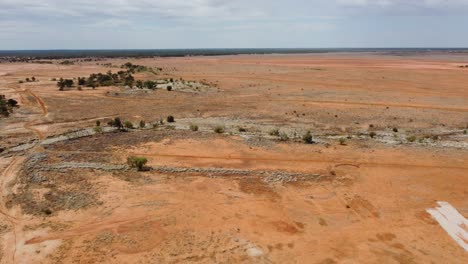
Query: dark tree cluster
{"points": [[62, 83], [110, 79], [6, 106], [134, 68]]}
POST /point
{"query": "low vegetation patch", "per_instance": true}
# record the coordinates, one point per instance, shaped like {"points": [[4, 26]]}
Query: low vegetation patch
{"points": [[218, 129], [307, 138], [170, 119], [7, 105], [137, 162]]}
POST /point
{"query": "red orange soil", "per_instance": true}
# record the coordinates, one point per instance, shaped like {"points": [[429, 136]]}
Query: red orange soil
{"points": [[239, 197]]}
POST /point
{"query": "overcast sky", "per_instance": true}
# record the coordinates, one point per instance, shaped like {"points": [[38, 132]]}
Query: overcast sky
{"points": [[147, 24]]}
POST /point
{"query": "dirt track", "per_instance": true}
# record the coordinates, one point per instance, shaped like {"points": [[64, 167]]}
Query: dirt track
{"points": [[239, 196]]}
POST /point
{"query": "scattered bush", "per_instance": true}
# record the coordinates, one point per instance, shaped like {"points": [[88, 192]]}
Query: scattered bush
{"points": [[218, 129], [342, 141], [12, 102], [97, 129], [193, 127], [128, 124], [170, 119], [411, 139], [275, 132], [116, 123], [6, 106], [283, 136], [62, 83], [372, 134], [307, 138], [137, 162], [149, 84]]}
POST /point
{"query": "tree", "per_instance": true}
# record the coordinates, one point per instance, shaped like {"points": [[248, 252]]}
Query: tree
{"points": [[61, 84], [307, 138], [137, 162], [81, 81]]}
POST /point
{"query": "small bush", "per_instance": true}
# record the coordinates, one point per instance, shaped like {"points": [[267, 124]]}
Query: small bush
{"points": [[411, 139], [137, 162], [283, 136], [20, 81], [116, 123], [170, 119], [372, 134], [169, 87], [12, 102], [342, 141], [97, 129], [465, 132], [128, 124], [274, 132], [242, 129], [307, 138], [142, 124], [193, 127], [98, 123], [395, 130], [218, 129]]}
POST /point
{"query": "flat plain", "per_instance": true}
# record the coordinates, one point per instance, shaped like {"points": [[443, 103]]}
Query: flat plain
{"points": [[388, 138]]}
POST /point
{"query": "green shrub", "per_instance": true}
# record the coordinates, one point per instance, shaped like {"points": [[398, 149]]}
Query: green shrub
{"points": [[170, 119], [411, 139], [97, 129], [283, 136], [128, 124], [342, 141], [218, 129], [137, 162], [193, 127], [307, 138], [98, 123], [465, 132]]}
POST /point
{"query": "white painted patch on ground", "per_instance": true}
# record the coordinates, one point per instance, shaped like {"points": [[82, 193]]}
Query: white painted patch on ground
{"points": [[452, 222]]}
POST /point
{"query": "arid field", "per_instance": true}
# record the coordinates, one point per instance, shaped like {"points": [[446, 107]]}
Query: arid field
{"points": [[318, 158]]}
